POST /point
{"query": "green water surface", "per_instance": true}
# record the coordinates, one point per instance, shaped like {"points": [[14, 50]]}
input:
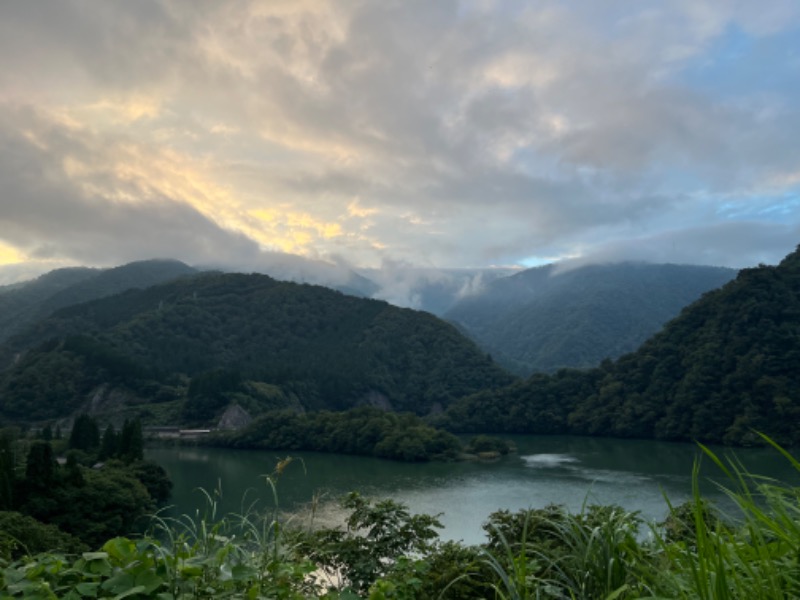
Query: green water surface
{"points": [[569, 470]]}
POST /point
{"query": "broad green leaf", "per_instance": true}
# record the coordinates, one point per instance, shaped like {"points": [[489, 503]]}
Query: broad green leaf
{"points": [[131, 592]]}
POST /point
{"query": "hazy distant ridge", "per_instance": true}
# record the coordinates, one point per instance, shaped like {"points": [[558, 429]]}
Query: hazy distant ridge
{"points": [[723, 369], [543, 319]]}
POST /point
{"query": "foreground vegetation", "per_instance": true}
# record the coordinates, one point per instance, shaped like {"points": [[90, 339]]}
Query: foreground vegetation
{"points": [[382, 551], [98, 488]]}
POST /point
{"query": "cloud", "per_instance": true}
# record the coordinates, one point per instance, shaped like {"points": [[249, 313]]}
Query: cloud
{"points": [[109, 217], [431, 133], [733, 244]]}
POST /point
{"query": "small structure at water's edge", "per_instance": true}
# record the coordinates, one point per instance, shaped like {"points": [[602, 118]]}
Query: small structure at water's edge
{"points": [[175, 433]]}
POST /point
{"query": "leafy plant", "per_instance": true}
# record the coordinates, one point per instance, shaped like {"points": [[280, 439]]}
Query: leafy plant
{"points": [[377, 535]]}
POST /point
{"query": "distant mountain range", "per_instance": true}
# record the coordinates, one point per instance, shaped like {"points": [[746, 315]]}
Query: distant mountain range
{"points": [[725, 368], [536, 320], [543, 319], [171, 344]]}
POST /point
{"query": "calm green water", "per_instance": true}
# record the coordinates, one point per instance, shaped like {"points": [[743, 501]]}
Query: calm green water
{"points": [[563, 469]]}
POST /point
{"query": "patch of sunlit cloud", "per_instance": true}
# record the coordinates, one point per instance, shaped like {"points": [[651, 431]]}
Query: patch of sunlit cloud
{"points": [[288, 231], [355, 209], [9, 255]]}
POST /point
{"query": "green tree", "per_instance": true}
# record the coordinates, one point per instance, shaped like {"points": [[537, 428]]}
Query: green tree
{"points": [[131, 441], [109, 445], [41, 466], [377, 535], [110, 504], [73, 475], [7, 476], [21, 535], [85, 434]]}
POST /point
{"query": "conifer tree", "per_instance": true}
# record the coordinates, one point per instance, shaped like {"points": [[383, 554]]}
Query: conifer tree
{"points": [[131, 442], [6, 473], [41, 467], [85, 434], [109, 445]]}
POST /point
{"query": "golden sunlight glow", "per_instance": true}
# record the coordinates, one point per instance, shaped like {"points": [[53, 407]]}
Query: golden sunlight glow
{"points": [[130, 172], [9, 255], [292, 231]]}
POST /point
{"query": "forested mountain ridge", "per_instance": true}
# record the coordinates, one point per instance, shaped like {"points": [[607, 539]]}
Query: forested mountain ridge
{"points": [[216, 338], [25, 303], [726, 366], [541, 320]]}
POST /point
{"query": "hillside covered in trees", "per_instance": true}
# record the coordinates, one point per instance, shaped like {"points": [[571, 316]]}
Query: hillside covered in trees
{"points": [[723, 368], [185, 350], [543, 319], [23, 304]]}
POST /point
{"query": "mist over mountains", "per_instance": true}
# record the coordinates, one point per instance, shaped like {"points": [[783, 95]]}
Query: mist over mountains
{"points": [[721, 371], [547, 318]]}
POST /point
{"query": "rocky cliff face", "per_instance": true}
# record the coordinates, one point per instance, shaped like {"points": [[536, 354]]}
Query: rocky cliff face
{"points": [[234, 418]]}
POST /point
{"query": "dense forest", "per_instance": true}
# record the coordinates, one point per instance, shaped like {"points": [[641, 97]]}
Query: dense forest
{"points": [[543, 319], [363, 431], [87, 487], [282, 345], [22, 305], [725, 367]]}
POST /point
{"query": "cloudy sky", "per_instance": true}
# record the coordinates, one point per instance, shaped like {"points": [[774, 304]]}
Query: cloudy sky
{"points": [[427, 133]]}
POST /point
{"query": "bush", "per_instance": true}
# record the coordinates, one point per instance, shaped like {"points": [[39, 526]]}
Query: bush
{"points": [[21, 535]]}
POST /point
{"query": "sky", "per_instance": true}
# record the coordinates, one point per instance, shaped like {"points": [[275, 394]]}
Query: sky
{"points": [[430, 134]]}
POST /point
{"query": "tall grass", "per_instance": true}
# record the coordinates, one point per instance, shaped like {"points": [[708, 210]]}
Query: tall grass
{"points": [[593, 554], [752, 551], [241, 553]]}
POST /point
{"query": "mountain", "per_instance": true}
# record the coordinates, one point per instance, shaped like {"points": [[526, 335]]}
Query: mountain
{"points": [[543, 319], [203, 342], [21, 304], [725, 367]]}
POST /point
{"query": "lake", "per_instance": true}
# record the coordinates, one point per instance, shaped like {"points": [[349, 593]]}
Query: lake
{"points": [[568, 470]]}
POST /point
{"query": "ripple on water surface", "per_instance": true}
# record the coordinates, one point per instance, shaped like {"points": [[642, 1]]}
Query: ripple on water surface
{"points": [[548, 461]]}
